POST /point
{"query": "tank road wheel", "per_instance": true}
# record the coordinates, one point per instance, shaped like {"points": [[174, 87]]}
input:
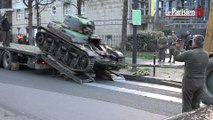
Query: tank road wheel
{"points": [[207, 97], [40, 37], [82, 62], [60, 52], [53, 48], [66, 58], [47, 44], [74, 59]]}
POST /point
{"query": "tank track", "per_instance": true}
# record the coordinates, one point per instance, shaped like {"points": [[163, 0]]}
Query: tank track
{"points": [[64, 52]]}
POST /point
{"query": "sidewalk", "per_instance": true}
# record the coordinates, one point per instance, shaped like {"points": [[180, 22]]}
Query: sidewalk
{"points": [[170, 72]]}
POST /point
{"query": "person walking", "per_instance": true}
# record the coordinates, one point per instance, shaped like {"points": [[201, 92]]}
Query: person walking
{"points": [[162, 46], [5, 26], [196, 61], [171, 45]]}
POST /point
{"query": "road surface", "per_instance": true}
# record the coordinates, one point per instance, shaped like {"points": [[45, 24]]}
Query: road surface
{"points": [[49, 97]]}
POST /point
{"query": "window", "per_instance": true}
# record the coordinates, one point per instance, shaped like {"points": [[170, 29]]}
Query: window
{"points": [[18, 14], [35, 13], [18, 30], [53, 10], [83, 7], [26, 13], [142, 12], [67, 9], [183, 26], [189, 26]]}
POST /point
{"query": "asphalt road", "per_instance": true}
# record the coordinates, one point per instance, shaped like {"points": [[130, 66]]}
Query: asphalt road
{"points": [[49, 97]]}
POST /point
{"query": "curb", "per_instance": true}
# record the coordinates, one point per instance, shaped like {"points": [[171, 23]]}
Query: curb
{"points": [[205, 113], [154, 80]]}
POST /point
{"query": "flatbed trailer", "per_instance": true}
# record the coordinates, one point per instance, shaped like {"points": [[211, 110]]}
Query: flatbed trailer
{"points": [[20, 54]]}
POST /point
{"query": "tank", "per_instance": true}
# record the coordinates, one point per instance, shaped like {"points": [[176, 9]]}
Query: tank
{"points": [[74, 44]]}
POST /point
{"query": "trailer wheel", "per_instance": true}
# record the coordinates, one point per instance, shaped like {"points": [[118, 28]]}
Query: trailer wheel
{"points": [[10, 61], [1, 54], [207, 97], [7, 60]]}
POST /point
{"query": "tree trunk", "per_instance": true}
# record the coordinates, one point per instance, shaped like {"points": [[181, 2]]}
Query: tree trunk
{"points": [[30, 23], [79, 6], [124, 26], [38, 17]]}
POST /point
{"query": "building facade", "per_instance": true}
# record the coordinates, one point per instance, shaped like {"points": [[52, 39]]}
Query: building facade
{"points": [[107, 15], [182, 23]]}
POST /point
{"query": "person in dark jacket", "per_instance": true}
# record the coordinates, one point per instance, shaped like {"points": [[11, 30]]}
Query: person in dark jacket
{"points": [[5, 26], [196, 61]]}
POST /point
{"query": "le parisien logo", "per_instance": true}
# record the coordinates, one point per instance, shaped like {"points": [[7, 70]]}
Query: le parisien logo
{"points": [[198, 12]]}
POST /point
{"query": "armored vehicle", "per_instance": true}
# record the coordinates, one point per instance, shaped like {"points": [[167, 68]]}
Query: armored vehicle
{"points": [[73, 44]]}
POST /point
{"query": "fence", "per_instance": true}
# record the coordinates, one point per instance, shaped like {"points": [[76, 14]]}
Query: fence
{"points": [[112, 40], [154, 65]]}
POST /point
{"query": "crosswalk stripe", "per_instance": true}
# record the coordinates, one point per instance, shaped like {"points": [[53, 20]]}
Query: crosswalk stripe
{"points": [[136, 92], [161, 87]]}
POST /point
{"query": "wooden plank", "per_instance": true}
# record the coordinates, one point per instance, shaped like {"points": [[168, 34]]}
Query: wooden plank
{"points": [[22, 48]]}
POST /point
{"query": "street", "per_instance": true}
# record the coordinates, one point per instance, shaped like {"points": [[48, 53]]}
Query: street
{"points": [[49, 97]]}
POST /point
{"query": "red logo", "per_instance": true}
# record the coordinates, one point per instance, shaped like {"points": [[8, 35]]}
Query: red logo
{"points": [[199, 12]]}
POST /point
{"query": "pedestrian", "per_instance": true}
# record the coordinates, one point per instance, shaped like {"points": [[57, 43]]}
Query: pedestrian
{"points": [[20, 38], [162, 46], [196, 61], [171, 45], [5, 25]]}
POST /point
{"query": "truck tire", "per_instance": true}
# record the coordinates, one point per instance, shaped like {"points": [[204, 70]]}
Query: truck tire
{"points": [[10, 61], [207, 97], [1, 54]]}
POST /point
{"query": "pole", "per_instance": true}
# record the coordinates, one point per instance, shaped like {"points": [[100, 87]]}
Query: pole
{"points": [[156, 16], [124, 26], [134, 52], [154, 62]]}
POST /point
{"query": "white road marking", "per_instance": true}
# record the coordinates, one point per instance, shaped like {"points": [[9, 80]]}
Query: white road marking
{"points": [[161, 87], [136, 92], [142, 93]]}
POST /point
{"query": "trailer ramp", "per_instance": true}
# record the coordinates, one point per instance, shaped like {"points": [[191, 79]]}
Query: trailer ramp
{"points": [[70, 74]]}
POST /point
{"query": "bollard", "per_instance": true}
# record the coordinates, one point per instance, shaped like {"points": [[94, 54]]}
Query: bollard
{"points": [[154, 65]]}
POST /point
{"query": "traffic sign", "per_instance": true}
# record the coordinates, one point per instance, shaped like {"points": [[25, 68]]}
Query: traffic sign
{"points": [[136, 17]]}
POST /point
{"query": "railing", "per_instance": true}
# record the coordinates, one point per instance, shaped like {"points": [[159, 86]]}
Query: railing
{"points": [[154, 66]]}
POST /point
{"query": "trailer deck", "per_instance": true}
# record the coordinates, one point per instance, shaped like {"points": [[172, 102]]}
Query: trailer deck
{"points": [[22, 48]]}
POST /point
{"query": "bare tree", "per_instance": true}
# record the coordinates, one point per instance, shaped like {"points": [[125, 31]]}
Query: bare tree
{"points": [[30, 4], [124, 26]]}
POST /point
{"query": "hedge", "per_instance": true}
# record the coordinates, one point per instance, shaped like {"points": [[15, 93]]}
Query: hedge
{"points": [[146, 41]]}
